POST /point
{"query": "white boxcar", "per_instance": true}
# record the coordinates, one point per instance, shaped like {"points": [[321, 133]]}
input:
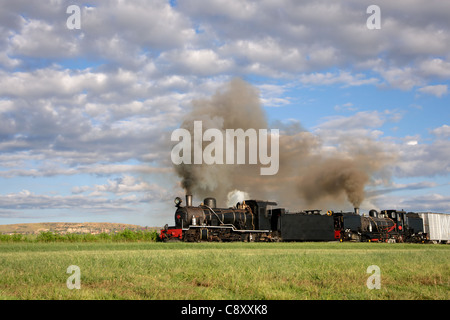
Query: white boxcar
{"points": [[436, 225]]}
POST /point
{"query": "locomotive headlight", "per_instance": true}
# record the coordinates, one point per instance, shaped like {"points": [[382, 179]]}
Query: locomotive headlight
{"points": [[177, 201]]}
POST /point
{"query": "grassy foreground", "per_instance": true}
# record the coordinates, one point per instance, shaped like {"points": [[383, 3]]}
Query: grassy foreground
{"points": [[149, 270]]}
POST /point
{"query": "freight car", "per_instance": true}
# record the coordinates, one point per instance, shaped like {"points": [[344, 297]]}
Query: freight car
{"points": [[258, 220], [436, 226]]}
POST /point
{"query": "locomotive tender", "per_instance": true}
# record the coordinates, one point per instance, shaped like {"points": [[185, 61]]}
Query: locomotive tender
{"points": [[258, 220]]}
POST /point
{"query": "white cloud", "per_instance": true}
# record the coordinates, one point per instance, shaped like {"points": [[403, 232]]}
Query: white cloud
{"points": [[265, 56], [343, 77], [25, 200], [129, 192], [422, 160], [345, 107], [360, 120], [401, 78], [433, 202], [261, 37], [201, 62], [429, 202], [274, 95], [383, 187], [129, 184], [442, 132], [436, 67], [436, 90], [78, 190], [41, 39]]}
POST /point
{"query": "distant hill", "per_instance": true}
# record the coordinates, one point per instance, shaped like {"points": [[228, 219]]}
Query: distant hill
{"points": [[69, 227]]}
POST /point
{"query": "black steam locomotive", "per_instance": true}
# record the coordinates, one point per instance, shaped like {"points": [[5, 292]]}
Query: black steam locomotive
{"points": [[256, 220], [384, 226]]}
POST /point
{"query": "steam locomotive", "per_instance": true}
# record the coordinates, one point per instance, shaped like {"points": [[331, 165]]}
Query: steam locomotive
{"points": [[257, 220]]}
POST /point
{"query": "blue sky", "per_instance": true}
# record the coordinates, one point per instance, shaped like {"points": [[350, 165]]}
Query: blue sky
{"points": [[85, 115]]}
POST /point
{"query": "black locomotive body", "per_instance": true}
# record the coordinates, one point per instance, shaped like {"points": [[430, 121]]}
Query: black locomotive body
{"points": [[257, 220], [383, 226], [252, 220]]}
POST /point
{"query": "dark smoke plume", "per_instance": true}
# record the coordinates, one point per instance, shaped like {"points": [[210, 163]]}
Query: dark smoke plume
{"points": [[235, 106], [307, 176]]}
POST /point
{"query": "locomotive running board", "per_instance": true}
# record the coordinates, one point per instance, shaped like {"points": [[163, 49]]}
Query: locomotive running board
{"points": [[233, 228]]}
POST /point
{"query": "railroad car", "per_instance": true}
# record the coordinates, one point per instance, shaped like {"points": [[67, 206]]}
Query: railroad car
{"points": [[436, 226]]}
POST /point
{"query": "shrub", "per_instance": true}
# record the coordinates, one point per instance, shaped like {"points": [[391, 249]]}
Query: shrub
{"points": [[72, 237], [125, 235], [138, 235], [104, 236], [5, 237], [17, 237], [49, 236], [88, 237]]}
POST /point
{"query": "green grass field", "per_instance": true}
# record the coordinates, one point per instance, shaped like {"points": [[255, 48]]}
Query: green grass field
{"points": [[152, 270]]}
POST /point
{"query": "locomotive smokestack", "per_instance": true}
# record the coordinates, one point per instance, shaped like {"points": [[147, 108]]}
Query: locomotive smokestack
{"points": [[357, 211], [188, 200]]}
